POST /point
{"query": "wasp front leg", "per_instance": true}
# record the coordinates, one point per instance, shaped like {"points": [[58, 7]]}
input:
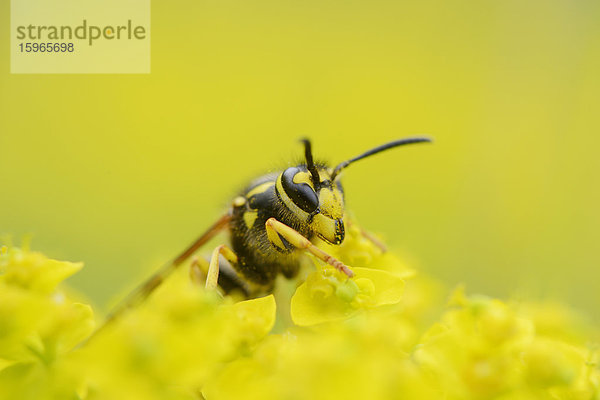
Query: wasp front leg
{"points": [[277, 230]]}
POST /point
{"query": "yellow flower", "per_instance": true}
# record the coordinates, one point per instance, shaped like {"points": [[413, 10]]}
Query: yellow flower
{"points": [[475, 350], [169, 346], [359, 338], [330, 295], [39, 325], [359, 358]]}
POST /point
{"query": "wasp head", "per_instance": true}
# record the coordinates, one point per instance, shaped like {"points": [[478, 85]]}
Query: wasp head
{"points": [[314, 195]]}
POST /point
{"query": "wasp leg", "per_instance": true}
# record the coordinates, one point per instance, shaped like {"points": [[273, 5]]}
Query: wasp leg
{"points": [[228, 280], [369, 236], [277, 230], [212, 277]]}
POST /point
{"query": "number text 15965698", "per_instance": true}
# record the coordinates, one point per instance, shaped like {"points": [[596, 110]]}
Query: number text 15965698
{"points": [[46, 47]]}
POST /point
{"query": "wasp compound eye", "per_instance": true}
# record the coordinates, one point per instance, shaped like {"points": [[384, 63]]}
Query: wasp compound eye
{"points": [[299, 192]]}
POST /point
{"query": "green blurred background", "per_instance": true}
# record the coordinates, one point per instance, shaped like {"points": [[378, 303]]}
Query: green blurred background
{"points": [[123, 171]]}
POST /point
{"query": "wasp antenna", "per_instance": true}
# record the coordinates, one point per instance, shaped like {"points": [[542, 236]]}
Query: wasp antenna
{"points": [[378, 149], [310, 164]]}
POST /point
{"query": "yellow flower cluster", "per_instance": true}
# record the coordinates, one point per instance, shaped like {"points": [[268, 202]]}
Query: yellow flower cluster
{"points": [[40, 325], [384, 334]]}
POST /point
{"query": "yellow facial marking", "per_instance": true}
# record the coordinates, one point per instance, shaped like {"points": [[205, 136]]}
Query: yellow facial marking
{"points": [[330, 203], [259, 189], [239, 201], [325, 174], [303, 177], [250, 218], [325, 227]]}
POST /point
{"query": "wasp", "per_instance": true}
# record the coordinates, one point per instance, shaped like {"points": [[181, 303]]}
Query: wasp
{"points": [[273, 224]]}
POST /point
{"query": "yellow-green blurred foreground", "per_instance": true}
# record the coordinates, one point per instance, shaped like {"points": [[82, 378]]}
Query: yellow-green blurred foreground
{"points": [[383, 334], [122, 171]]}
